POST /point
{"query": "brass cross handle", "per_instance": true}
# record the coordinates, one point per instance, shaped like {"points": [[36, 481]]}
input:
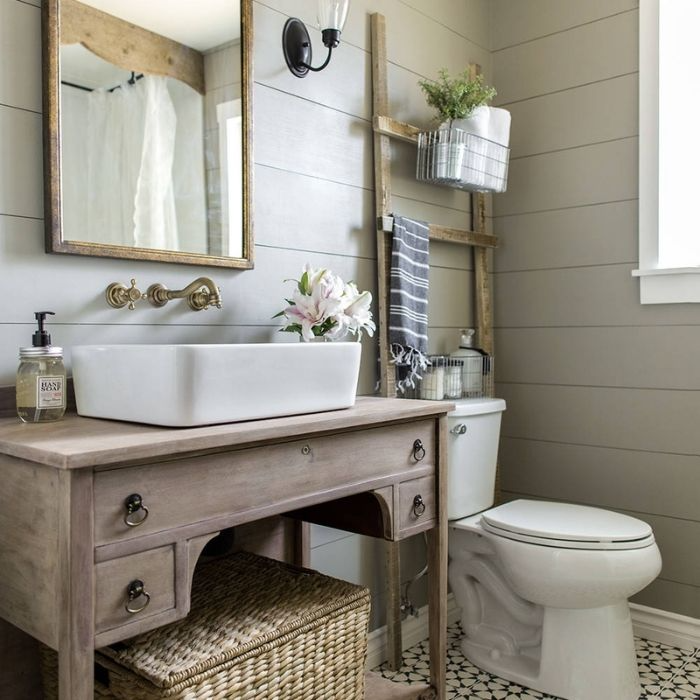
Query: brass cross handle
{"points": [[119, 295]]}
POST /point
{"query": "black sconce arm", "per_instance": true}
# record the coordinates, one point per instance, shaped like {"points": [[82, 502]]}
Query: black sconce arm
{"points": [[323, 65]]}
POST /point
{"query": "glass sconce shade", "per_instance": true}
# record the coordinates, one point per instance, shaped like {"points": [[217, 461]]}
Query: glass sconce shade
{"points": [[332, 14]]}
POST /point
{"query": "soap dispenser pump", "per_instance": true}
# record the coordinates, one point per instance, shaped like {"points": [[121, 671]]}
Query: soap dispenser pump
{"points": [[41, 377]]}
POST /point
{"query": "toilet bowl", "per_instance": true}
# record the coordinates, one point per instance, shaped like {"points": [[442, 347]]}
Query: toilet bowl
{"points": [[542, 586]]}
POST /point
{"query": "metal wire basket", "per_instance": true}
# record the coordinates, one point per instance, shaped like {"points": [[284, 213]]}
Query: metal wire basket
{"points": [[454, 378], [456, 158]]}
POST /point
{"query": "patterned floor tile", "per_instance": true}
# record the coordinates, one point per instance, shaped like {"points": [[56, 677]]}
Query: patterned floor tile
{"points": [[665, 673], [685, 684], [493, 688], [659, 659]]}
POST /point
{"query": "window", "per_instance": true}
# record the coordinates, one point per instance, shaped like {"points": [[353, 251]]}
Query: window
{"points": [[230, 119], [669, 105]]}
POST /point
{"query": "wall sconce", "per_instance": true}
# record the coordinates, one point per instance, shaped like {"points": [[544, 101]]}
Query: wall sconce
{"points": [[297, 44]]}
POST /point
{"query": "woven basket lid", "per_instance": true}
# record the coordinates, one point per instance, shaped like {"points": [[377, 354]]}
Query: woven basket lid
{"points": [[239, 603]]}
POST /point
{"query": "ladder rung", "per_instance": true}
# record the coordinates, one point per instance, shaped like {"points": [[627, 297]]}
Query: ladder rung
{"points": [[450, 235], [391, 127]]}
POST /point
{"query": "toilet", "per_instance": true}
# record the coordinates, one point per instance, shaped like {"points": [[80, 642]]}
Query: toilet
{"points": [[542, 586]]}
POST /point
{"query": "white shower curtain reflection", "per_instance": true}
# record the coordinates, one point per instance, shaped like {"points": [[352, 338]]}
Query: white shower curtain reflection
{"points": [[113, 158], [155, 224], [130, 150]]}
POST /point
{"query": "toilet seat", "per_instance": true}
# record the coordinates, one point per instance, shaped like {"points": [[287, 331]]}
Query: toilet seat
{"points": [[565, 525]]}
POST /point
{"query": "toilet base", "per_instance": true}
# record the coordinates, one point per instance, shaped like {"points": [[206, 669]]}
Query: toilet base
{"points": [[586, 654]]}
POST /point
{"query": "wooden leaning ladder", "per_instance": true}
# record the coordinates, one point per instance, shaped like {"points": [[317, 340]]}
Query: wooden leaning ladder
{"points": [[386, 128]]}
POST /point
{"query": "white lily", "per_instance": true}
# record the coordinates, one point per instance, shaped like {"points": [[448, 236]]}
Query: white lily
{"points": [[324, 305], [358, 311], [312, 310]]}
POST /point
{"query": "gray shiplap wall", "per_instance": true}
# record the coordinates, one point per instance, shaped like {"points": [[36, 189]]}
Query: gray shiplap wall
{"points": [[603, 394], [313, 202]]}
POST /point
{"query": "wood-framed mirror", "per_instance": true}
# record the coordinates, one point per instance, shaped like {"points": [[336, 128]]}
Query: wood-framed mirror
{"points": [[148, 148]]}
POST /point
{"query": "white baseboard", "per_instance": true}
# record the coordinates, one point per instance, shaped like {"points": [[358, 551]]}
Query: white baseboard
{"points": [[665, 627], [650, 623], [413, 630]]}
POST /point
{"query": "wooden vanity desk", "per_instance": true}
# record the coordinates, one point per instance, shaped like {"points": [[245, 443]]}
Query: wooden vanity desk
{"points": [[68, 555]]}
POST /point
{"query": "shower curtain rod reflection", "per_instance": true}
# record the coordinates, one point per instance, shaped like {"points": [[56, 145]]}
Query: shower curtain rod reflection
{"points": [[132, 80]]}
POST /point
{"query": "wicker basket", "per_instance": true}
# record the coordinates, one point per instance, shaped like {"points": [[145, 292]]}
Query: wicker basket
{"points": [[258, 629]]}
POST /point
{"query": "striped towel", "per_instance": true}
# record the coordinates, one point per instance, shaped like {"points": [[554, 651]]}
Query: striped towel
{"points": [[408, 304]]}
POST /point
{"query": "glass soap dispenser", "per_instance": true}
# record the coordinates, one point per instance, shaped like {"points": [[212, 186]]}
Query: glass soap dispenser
{"points": [[41, 378], [472, 363]]}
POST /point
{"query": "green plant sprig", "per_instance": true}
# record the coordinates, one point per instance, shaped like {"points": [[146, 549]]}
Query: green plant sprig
{"points": [[318, 331], [456, 98]]}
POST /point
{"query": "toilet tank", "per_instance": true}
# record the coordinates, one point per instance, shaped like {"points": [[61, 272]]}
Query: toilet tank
{"points": [[472, 450]]}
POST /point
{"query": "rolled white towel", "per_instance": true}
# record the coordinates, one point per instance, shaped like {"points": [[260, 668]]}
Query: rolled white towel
{"points": [[499, 126], [473, 163], [476, 123]]}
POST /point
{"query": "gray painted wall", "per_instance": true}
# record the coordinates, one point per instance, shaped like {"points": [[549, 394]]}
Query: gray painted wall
{"points": [[603, 393]]}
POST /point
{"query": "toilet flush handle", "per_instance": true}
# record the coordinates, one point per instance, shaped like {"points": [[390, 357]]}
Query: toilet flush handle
{"points": [[459, 429]]}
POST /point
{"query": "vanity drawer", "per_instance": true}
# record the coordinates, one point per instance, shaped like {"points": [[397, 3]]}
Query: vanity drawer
{"points": [[154, 568], [417, 503], [257, 481]]}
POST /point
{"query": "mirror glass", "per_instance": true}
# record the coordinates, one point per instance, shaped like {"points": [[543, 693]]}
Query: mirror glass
{"points": [[149, 129]]}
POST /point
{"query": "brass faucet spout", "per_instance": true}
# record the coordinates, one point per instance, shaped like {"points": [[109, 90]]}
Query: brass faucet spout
{"points": [[200, 294]]}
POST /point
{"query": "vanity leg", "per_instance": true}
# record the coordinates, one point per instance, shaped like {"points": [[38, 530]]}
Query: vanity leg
{"points": [[437, 574], [76, 674], [76, 640], [437, 610], [302, 543], [393, 605]]}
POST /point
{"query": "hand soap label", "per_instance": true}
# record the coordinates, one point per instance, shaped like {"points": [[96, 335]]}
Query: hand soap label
{"points": [[49, 392]]}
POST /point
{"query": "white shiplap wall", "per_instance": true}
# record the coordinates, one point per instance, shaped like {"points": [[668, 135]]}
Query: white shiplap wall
{"points": [[313, 201], [603, 394]]}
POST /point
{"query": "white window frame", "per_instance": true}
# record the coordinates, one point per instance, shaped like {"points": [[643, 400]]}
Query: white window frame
{"points": [[230, 119], [658, 285]]}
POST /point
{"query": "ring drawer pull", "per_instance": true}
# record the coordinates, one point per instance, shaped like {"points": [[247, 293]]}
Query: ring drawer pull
{"points": [[418, 451], [134, 504], [135, 590], [418, 506]]}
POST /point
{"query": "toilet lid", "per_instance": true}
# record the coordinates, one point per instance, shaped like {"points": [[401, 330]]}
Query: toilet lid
{"points": [[566, 525]]}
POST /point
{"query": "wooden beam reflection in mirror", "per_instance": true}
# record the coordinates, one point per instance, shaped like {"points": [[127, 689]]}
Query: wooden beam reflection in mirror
{"points": [[129, 46]]}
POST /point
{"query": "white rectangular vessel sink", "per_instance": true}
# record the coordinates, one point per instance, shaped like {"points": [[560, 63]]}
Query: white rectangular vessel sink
{"points": [[189, 385]]}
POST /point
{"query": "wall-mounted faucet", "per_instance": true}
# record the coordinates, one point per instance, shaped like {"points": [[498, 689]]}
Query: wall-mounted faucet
{"points": [[200, 294]]}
